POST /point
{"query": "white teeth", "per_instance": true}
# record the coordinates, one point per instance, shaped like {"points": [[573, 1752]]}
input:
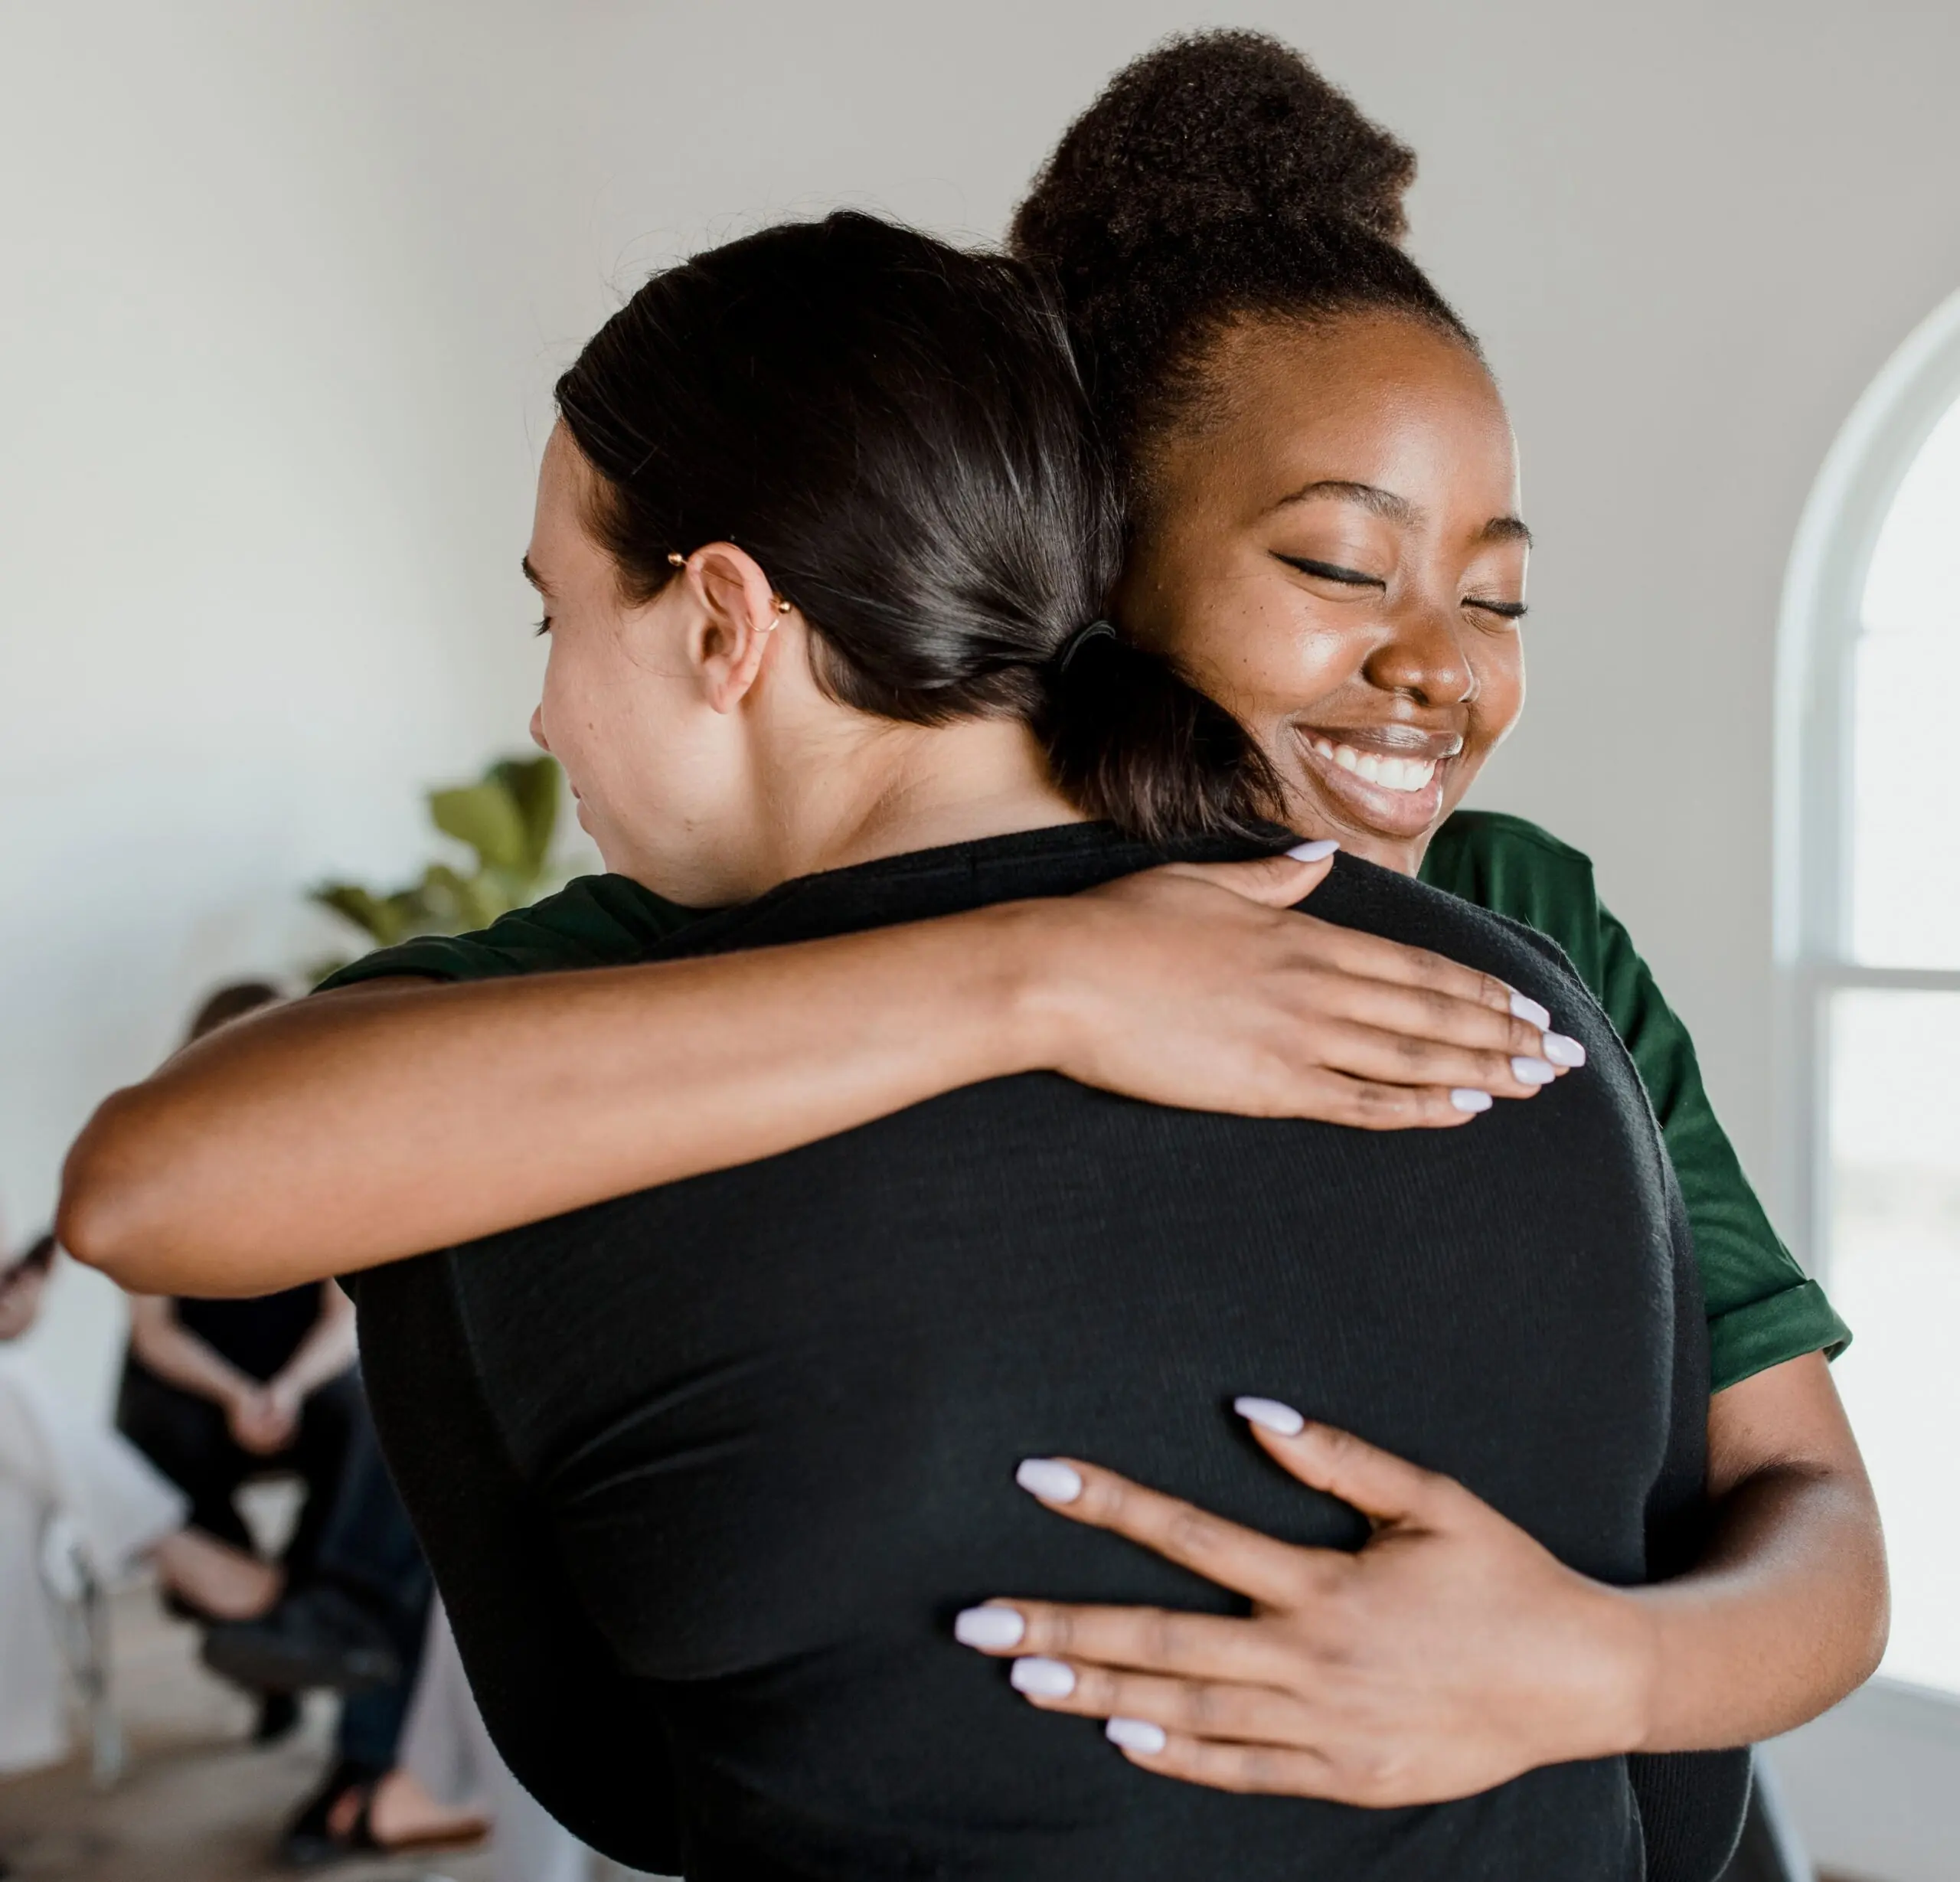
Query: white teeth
{"points": [[1406, 775]]}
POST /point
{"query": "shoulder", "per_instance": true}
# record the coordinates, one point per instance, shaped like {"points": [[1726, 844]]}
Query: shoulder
{"points": [[594, 921], [1422, 913], [1480, 841], [1514, 868]]}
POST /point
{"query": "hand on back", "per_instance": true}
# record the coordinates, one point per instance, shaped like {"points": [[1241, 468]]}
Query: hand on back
{"points": [[1196, 985]]}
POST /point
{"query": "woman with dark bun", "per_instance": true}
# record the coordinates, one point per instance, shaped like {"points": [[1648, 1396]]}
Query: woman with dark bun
{"points": [[1322, 532]]}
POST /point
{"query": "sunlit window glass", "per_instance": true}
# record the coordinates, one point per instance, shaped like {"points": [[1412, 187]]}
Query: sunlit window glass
{"points": [[1906, 724]]}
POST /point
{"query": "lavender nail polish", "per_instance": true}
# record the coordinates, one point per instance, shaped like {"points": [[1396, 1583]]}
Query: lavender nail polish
{"points": [[1042, 1679], [989, 1626], [1051, 1482]]}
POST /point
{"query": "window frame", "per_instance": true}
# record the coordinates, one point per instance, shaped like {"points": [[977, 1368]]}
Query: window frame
{"points": [[1818, 634]]}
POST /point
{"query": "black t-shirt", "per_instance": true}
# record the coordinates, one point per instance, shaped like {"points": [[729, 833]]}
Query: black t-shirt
{"points": [[257, 1336], [703, 1472]]}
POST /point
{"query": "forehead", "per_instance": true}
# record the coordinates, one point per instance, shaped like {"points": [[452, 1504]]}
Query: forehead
{"points": [[561, 546], [1375, 399]]}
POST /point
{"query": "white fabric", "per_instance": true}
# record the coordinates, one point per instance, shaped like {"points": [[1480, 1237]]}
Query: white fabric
{"points": [[446, 1746], [56, 1468]]}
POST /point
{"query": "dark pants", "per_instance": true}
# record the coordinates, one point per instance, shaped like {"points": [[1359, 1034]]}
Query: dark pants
{"points": [[187, 1438], [368, 1550]]}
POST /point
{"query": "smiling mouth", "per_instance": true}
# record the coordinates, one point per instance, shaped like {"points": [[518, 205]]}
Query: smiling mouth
{"points": [[1390, 773], [1390, 777]]}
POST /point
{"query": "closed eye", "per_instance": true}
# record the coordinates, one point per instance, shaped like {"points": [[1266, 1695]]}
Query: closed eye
{"points": [[1332, 572], [1508, 610], [544, 626]]}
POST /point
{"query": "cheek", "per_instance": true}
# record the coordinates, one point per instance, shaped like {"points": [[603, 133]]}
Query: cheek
{"points": [[1271, 658], [1499, 689], [565, 717]]}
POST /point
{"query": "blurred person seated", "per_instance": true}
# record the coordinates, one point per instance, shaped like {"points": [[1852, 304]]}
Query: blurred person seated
{"points": [[72, 1492], [216, 1392], [357, 1626]]}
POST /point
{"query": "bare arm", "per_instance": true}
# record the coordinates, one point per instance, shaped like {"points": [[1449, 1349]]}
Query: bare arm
{"points": [[1787, 1610], [326, 1352], [1453, 1652], [360, 1126], [179, 1358]]}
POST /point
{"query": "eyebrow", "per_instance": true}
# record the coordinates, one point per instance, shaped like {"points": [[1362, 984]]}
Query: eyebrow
{"points": [[1387, 504], [531, 575]]}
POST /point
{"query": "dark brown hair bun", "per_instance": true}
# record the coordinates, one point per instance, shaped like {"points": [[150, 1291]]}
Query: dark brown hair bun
{"points": [[1208, 126], [1217, 177]]}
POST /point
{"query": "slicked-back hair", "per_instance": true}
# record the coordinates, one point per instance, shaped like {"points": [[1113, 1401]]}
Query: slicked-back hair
{"points": [[896, 431]]}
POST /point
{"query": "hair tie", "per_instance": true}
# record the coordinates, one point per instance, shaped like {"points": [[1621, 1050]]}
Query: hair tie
{"points": [[1097, 629]]}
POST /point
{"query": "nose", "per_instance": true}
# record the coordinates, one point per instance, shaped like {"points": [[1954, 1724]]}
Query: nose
{"points": [[1424, 658], [537, 737]]}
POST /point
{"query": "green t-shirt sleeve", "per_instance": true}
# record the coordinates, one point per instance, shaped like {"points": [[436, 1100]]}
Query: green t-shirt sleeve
{"points": [[594, 921], [1762, 1308]]}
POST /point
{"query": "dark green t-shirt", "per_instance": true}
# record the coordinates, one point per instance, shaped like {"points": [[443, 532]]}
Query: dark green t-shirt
{"points": [[1762, 1308]]}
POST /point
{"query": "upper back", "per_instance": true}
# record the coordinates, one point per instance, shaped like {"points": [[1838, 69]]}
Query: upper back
{"points": [[771, 1415]]}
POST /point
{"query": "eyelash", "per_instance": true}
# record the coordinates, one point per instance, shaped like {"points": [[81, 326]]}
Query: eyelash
{"points": [[544, 624], [1332, 572], [1354, 578]]}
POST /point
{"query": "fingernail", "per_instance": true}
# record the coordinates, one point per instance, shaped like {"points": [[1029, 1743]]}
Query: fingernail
{"points": [[1270, 1415], [1466, 1099], [1312, 852], [1528, 1009], [1051, 1482], [1532, 1071], [989, 1627], [1046, 1679], [1135, 1734], [1563, 1051]]}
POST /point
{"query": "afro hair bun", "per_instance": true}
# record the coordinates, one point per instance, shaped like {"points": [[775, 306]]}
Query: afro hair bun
{"points": [[1209, 127]]}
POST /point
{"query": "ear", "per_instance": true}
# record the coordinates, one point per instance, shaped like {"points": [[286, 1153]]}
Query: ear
{"points": [[735, 614]]}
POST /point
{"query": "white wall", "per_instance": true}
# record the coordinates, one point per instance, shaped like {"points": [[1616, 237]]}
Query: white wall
{"points": [[284, 287]]}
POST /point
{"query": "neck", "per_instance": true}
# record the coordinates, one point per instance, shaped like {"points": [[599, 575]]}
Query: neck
{"points": [[906, 788], [857, 788]]}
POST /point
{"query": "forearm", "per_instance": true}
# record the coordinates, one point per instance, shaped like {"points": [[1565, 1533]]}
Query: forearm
{"points": [[1785, 1615], [326, 1352], [1787, 1610], [358, 1128], [181, 1359]]}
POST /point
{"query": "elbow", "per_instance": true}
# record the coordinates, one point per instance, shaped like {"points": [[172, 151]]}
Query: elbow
{"points": [[108, 1216]]}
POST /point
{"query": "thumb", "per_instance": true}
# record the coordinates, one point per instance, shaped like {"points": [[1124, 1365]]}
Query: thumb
{"points": [[1275, 881], [1384, 1487]]}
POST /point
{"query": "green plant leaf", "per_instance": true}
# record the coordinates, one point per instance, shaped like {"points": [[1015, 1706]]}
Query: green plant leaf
{"points": [[533, 784], [362, 906], [484, 816]]}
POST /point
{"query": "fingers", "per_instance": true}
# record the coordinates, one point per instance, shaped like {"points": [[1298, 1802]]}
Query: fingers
{"points": [[1140, 1640], [1335, 1098], [1227, 1552], [1383, 1057], [1249, 1770], [1384, 1487], [1202, 1707], [1272, 881], [1412, 1020], [1374, 957]]}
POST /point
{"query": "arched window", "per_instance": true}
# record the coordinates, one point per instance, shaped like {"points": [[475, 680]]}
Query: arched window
{"points": [[1868, 940]]}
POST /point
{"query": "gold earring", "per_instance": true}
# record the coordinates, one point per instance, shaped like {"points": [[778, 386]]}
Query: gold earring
{"points": [[677, 558], [782, 606]]}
